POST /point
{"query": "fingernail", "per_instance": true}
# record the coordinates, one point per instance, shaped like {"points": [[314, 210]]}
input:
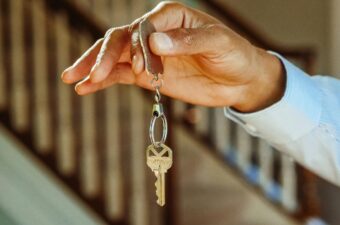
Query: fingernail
{"points": [[77, 89], [137, 63], [64, 76], [162, 40]]}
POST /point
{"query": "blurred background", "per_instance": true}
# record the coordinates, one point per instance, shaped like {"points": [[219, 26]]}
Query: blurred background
{"points": [[66, 159]]}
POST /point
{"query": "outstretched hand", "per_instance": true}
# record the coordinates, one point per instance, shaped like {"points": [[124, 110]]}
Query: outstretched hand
{"points": [[205, 62]]}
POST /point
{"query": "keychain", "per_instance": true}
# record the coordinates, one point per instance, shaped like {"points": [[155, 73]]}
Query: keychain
{"points": [[158, 155]]}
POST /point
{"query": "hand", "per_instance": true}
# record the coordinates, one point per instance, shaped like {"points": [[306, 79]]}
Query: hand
{"points": [[205, 62]]}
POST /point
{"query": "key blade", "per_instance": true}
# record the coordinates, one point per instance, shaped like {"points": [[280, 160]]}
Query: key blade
{"points": [[153, 63], [160, 189]]}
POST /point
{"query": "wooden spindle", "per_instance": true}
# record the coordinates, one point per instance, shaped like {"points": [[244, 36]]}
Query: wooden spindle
{"points": [[221, 134], [244, 148], [115, 191], [89, 156], [137, 8], [289, 183], [138, 211], [65, 132], [42, 118], [266, 165], [202, 125], [139, 206], [100, 9], [3, 90], [85, 5], [19, 91], [179, 109], [119, 13], [114, 176]]}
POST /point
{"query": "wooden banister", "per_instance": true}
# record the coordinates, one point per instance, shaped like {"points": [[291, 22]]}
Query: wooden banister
{"points": [[80, 28]]}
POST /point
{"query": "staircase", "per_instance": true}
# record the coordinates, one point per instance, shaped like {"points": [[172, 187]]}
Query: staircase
{"points": [[94, 144]]}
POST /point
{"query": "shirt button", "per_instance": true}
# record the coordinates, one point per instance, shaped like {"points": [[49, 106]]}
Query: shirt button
{"points": [[251, 128]]}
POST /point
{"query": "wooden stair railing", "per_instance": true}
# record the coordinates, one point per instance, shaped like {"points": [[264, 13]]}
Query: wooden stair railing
{"points": [[94, 143], [89, 142]]}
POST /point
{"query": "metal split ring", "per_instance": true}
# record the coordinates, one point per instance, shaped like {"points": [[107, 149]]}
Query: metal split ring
{"points": [[152, 130], [157, 83]]}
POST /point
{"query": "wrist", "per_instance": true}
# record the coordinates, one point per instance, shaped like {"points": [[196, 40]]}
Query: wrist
{"points": [[268, 85]]}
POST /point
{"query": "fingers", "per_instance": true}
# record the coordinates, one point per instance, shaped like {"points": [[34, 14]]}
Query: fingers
{"points": [[114, 43], [121, 73], [82, 67], [189, 41]]}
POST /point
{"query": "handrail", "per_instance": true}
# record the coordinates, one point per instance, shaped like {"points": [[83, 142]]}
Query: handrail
{"points": [[79, 19]]}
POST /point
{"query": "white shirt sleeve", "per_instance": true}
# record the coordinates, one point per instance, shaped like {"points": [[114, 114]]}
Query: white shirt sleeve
{"points": [[305, 123]]}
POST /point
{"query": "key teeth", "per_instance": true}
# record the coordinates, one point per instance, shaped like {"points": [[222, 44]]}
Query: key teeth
{"points": [[157, 192]]}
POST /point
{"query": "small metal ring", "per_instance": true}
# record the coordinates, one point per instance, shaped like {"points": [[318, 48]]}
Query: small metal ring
{"points": [[157, 84], [152, 130], [158, 95]]}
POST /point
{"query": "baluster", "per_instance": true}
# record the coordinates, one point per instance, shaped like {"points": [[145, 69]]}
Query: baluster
{"points": [[289, 183], [119, 13], [65, 133], [222, 130], [276, 187], [19, 92], [202, 118], [85, 5], [101, 11], [266, 166], [243, 146], [3, 94], [114, 181], [114, 185], [42, 119], [139, 208], [137, 8], [89, 155], [179, 109]]}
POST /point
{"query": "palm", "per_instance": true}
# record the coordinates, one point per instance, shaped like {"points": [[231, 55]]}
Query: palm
{"points": [[197, 80]]}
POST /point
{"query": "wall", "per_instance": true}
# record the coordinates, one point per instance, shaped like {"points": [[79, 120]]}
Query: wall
{"points": [[290, 22], [335, 37]]}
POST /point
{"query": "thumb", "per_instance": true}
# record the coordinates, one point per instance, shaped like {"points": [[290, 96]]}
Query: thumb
{"points": [[188, 41]]}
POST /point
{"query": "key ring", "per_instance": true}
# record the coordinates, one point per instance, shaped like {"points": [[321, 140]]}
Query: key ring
{"points": [[158, 113]]}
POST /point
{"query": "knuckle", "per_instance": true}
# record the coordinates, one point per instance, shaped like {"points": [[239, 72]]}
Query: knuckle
{"points": [[220, 31], [115, 30], [188, 37], [109, 32], [168, 4]]}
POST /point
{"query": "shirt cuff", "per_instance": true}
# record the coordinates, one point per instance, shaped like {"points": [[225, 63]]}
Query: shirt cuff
{"points": [[295, 115]]}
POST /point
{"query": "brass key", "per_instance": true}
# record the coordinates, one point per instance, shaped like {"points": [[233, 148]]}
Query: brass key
{"points": [[159, 159]]}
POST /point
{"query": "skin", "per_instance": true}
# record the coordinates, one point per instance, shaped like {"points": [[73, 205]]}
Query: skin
{"points": [[205, 62]]}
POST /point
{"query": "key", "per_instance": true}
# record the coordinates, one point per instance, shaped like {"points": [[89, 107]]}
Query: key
{"points": [[153, 63], [159, 159]]}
